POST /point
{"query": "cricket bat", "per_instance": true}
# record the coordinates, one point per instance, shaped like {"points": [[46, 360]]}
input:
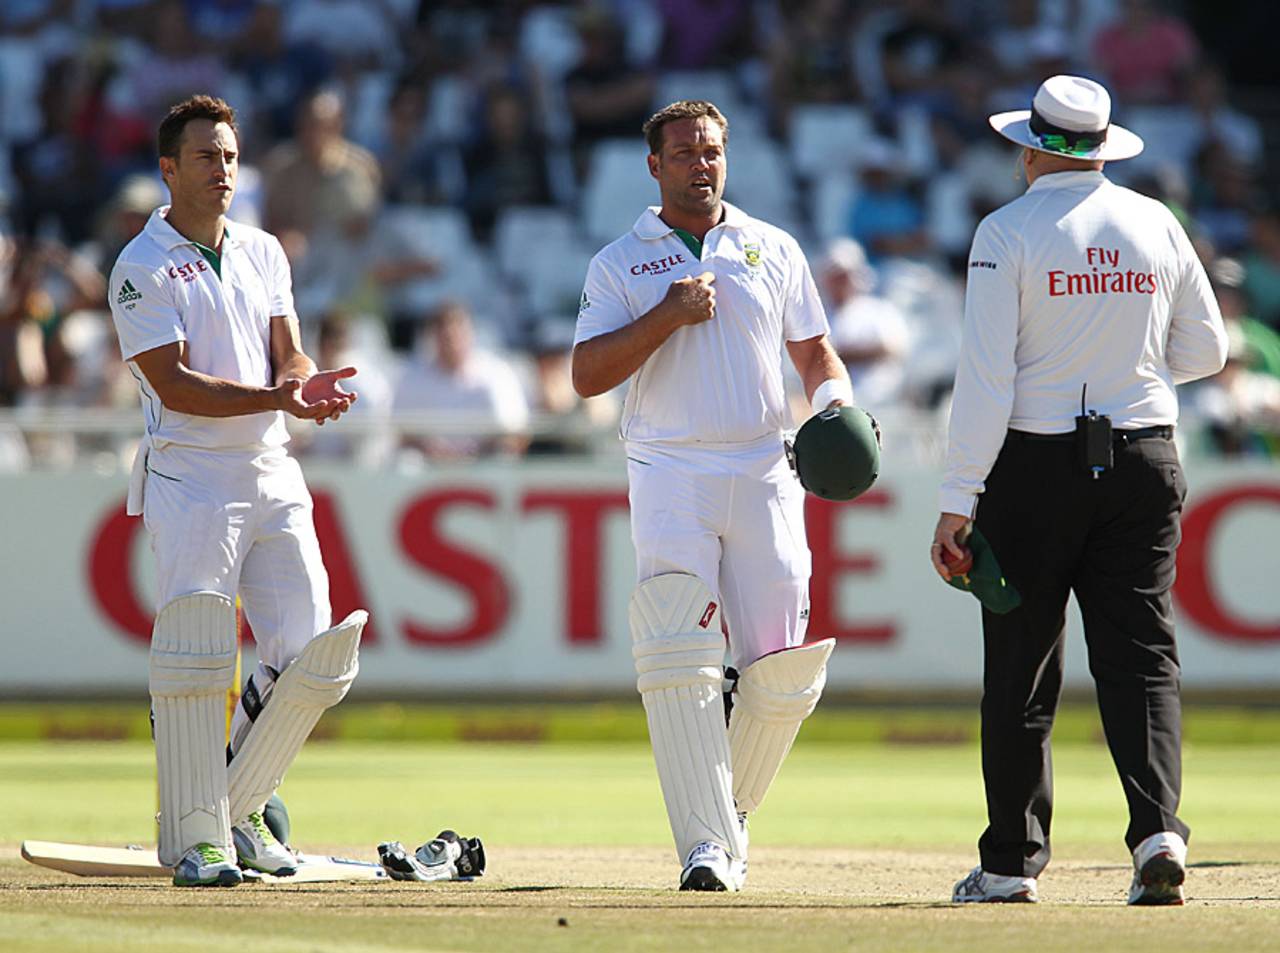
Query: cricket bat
{"points": [[88, 860]]}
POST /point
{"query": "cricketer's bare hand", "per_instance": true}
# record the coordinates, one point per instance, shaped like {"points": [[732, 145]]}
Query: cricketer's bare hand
{"points": [[320, 397], [692, 300], [327, 386]]}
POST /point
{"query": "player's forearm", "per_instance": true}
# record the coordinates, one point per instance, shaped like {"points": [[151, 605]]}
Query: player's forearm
{"points": [[604, 362], [297, 367], [190, 392], [817, 364]]}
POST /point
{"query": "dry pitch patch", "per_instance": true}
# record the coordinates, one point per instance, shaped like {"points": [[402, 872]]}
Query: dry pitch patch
{"points": [[610, 899]]}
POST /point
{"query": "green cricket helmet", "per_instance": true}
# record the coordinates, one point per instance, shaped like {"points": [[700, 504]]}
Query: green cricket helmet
{"points": [[837, 453]]}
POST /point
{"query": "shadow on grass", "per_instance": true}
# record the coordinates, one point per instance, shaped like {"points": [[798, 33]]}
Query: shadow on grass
{"points": [[532, 889]]}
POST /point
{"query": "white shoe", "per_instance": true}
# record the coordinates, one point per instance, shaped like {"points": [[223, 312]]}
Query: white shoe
{"points": [[982, 887], [258, 848], [709, 867], [206, 866], [1159, 868]]}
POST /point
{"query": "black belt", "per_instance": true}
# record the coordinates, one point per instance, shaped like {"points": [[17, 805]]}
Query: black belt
{"points": [[1163, 431]]}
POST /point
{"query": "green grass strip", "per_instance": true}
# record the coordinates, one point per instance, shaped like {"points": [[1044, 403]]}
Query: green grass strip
{"points": [[618, 722]]}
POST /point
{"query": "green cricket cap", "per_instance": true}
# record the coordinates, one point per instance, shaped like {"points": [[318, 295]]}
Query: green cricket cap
{"points": [[986, 581]]}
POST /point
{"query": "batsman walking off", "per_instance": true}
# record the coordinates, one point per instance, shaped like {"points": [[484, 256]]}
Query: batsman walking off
{"points": [[694, 306], [1086, 305], [204, 311]]}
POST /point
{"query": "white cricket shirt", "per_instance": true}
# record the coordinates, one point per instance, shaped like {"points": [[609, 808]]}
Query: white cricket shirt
{"points": [[1078, 281], [163, 290], [719, 382]]}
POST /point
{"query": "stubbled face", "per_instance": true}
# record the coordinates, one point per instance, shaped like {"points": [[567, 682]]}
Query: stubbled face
{"points": [[692, 166], [203, 177]]}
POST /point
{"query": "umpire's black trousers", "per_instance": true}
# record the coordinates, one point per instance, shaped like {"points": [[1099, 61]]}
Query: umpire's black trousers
{"points": [[1111, 541]]}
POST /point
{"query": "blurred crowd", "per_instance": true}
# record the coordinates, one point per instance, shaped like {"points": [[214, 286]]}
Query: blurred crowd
{"points": [[440, 173]]}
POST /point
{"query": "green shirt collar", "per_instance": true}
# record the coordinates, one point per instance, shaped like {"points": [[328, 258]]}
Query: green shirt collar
{"points": [[691, 242], [211, 256]]}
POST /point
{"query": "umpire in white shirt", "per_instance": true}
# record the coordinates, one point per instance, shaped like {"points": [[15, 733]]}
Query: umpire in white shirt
{"points": [[1085, 306]]}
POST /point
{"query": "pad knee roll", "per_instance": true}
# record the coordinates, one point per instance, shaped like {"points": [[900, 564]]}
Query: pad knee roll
{"points": [[679, 661], [676, 632], [193, 646]]}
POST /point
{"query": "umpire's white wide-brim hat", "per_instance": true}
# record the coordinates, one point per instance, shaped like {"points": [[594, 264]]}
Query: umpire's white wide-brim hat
{"points": [[1069, 116]]}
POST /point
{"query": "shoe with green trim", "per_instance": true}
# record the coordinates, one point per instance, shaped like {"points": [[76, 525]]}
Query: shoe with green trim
{"points": [[259, 850], [205, 865]]}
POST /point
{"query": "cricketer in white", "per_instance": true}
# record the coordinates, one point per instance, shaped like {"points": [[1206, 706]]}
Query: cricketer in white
{"points": [[204, 311], [695, 305]]}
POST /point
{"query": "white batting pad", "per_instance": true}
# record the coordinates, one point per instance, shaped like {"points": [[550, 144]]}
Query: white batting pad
{"points": [[775, 694], [315, 681], [678, 651], [193, 663]]}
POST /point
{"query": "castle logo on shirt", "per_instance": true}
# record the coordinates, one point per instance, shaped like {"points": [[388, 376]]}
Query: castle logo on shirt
{"points": [[189, 271], [659, 266]]}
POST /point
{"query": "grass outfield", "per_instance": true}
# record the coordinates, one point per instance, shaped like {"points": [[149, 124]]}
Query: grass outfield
{"points": [[619, 721], [855, 850]]}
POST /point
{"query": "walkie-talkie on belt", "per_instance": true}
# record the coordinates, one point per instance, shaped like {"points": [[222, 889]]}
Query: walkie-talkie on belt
{"points": [[1093, 439]]}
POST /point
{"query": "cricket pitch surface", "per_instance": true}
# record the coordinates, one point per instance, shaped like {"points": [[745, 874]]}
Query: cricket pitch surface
{"points": [[615, 898]]}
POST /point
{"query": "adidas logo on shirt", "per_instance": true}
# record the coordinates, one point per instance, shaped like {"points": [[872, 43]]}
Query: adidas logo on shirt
{"points": [[128, 293]]}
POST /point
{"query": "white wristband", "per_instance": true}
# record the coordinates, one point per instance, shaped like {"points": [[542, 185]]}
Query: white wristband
{"points": [[831, 389]]}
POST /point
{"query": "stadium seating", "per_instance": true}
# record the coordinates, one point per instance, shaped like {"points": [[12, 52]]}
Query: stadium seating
{"points": [[521, 230], [618, 188], [827, 138]]}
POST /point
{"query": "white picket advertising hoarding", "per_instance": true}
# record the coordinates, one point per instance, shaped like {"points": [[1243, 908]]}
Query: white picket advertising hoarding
{"points": [[515, 578]]}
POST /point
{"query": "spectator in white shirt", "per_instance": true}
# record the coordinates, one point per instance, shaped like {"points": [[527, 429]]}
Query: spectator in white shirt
{"points": [[868, 332], [453, 376]]}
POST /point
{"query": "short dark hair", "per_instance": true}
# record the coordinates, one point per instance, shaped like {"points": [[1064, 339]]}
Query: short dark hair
{"points": [[684, 109], [169, 139]]}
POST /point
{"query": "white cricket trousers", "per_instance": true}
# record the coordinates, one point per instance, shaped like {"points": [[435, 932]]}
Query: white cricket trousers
{"points": [[734, 517], [239, 522]]}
